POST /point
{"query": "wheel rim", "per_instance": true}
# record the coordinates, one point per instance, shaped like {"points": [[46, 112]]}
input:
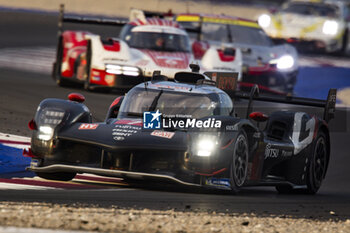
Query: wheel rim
{"points": [[240, 161], [320, 161]]}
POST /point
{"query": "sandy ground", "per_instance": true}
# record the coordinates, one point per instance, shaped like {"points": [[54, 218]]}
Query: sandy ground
{"points": [[114, 219], [344, 96], [121, 8]]}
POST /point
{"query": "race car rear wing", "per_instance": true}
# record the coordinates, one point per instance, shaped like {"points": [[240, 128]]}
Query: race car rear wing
{"points": [[86, 20], [141, 14], [227, 82]]}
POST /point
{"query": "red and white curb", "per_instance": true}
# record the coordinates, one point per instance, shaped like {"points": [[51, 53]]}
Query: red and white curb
{"points": [[16, 141], [81, 181]]}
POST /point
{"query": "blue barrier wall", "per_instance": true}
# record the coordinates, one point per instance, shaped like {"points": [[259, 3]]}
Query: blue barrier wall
{"points": [[314, 82], [12, 163]]}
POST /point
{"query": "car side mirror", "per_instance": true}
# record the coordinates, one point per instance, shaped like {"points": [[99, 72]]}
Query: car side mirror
{"points": [[114, 108], [258, 116]]}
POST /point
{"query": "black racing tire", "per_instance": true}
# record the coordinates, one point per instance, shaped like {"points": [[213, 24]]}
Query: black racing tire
{"points": [[87, 85], [62, 176], [316, 168], [239, 162]]}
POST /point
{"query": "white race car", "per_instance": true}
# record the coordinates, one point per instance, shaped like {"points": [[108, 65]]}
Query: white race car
{"points": [[145, 45], [315, 25]]}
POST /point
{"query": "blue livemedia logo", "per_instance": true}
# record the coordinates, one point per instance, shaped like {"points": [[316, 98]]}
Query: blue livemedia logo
{"points": [[151, 120]]}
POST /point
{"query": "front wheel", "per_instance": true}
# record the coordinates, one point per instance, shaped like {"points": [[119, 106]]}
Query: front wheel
{"points": [[239, 163], [62, 176]]}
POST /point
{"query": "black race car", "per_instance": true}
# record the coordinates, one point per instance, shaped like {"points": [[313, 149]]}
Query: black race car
{"points": [[185, 132]]}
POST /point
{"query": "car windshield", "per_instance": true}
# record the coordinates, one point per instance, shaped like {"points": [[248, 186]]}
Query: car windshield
{"points": [[158, 40], [170, 103], [314, 9], [225, 33]]}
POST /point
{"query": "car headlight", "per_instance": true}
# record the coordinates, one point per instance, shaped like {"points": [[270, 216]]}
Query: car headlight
{"points": [[125, 70], [330, 27], [45, 133], [285, 62], [48, 120], [264, 20], [205, 146]]}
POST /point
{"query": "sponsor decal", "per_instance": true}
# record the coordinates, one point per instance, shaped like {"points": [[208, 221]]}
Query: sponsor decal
{"points": [[257, 135], [170, 87], [120, 132], [136, 122], [191, 123], [219, 182], [88, 126], [95, 78], [287, 153], [303, 131], [34, 163], [151, 120], [271, 152], [109, 79], [163, 134], [231, 127]]}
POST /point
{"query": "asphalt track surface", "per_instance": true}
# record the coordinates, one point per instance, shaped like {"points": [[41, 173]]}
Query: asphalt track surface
{"points": [[21, 92]]}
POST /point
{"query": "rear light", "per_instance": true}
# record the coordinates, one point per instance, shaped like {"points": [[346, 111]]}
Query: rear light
{"points": [[227, 55], [32, 125], [112, 45], [76, 97]]}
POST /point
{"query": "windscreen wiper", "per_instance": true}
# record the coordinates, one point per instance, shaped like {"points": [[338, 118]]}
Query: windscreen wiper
{"points": [[155, 102]]}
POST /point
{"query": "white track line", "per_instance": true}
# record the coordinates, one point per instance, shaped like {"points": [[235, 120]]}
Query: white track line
{"points": [[12, 186], [34, 59]]}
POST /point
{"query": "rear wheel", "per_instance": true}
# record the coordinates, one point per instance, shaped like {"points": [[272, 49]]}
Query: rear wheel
{"points": [[62, 176], [315, 169], [239, 163]]}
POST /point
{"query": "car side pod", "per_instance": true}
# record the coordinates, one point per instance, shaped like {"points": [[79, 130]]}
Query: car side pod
{"points": [[77, 97]]}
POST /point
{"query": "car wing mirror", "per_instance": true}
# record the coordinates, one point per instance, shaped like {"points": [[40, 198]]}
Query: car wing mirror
{"points": [[258, 116]]}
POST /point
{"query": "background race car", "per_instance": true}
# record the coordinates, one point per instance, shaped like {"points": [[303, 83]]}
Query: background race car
{"points": [[144, 45], [273, 67], [311, 25], [190, 135]]}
